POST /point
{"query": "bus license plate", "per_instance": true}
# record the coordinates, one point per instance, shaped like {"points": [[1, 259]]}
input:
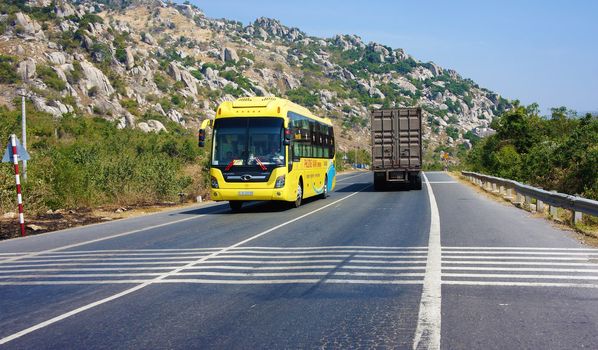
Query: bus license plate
{"points": [[245, 193]]}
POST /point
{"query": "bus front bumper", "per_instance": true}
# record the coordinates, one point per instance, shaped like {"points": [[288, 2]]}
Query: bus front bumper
{"points": [[236, 194]]}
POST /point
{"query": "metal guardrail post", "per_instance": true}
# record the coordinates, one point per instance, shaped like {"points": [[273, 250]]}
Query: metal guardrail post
{"points": [[539, 206], [524, 194]]}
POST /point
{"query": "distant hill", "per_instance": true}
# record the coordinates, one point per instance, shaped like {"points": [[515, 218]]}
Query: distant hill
{"points": [[145, 64]]}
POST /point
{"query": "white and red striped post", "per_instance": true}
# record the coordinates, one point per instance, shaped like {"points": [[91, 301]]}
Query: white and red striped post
{"points": [[15, 160]]}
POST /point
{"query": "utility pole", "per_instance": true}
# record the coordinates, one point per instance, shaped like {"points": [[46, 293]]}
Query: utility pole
{"points": [[24, 129]]}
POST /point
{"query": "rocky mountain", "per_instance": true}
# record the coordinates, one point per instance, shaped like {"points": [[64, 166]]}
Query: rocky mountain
{"points": [[144, 64]]}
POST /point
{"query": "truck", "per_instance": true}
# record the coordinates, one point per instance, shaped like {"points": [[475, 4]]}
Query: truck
{"points": [[397, 148]]}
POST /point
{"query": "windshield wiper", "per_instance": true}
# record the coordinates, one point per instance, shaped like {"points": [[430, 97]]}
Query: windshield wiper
{"points": [[259, 162], [230, 165]]}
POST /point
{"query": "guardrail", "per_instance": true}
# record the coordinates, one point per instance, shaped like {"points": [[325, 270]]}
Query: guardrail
{"points": [[524, 195]]}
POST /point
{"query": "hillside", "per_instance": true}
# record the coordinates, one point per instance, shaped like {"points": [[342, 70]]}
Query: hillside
{"points": [[143, 63]]}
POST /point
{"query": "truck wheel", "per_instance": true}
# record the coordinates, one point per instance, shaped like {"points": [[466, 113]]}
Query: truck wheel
{"points": [[416, 183], [379, 183], [235, 206]]}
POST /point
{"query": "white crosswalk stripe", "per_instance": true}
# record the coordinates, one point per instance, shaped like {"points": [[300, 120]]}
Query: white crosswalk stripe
{"points": [[464, 266], [520, 267], [242, 265]]}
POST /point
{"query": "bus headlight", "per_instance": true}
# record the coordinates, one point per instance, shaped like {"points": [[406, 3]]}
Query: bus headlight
{"points": [[214, 183], [279, 182]]}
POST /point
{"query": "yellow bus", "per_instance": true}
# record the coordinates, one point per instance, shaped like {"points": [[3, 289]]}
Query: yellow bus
{"points": [[268, 148]]}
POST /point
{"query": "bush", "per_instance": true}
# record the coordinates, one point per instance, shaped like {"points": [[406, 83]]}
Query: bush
{"points": [[303, 97], [50, 77], [557, 154], [76, 74], [78, 169], [8, 72], [161, 82]]}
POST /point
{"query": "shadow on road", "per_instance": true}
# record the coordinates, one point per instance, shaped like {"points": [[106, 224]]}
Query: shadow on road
{"points": [[248, 207]]}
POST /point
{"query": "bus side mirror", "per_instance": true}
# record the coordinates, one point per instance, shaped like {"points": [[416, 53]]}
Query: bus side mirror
{"points": [[287, 137], [202, 138]]}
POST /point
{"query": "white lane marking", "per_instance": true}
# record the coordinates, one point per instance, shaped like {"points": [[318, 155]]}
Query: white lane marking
{"points": [[406, 255], [173, 258], [266, 249], [443, 182], [148, 268], [519, 269], [234, 255], [100, 264], [165, 275], [101, 239], [221, 274], [212, 281], [464, 262], [520, 284], [349, 177], [498, 258], [321, 256], [218, 267], [285, 274], [339, 247], [498, 254], [519, 248], [531, 277], [427, 333], [386, 262]]}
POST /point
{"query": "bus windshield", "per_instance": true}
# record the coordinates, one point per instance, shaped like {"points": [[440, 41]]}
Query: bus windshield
{"points": [[248, 141]]}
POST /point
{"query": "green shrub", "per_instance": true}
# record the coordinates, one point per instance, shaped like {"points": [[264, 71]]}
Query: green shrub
{"points": [[161, 82], [79, 169], [8, 73], [75, 75], [303, 97], [50, 77]]}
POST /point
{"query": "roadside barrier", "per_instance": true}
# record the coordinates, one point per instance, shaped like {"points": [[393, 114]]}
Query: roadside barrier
{"points": [[524, 195]]}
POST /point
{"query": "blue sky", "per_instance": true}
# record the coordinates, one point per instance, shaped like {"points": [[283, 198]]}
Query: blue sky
{"points": [[534, 51]]}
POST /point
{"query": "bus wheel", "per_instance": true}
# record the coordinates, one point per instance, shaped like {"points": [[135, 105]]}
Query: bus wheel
{"points": [[297, 202], [325, 194], [235, 205]]}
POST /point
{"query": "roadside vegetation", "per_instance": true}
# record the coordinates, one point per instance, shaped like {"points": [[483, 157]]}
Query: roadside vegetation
{"points": [[557, 153], [85, 162]]}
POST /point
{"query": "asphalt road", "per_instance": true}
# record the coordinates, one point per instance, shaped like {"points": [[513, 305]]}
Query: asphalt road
{"points": [[444, 268]]}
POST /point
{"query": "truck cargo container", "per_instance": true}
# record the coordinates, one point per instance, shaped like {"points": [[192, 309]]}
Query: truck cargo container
{"points": [[397, 147]]}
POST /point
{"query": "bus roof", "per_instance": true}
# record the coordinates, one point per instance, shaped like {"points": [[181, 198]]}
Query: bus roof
{"points": [[264, 106]]}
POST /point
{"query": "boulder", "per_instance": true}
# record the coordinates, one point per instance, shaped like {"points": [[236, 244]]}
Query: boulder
{"points": [[181, 74], [259, 91], [56, 58], [210, 74], [230, 55], [290, 81], [29, 26], [156, 126], [375, 92], [151, 126], [27, 68], [129, 60], [64, 9], [148, 39], [175, 116], [95, 78]]}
